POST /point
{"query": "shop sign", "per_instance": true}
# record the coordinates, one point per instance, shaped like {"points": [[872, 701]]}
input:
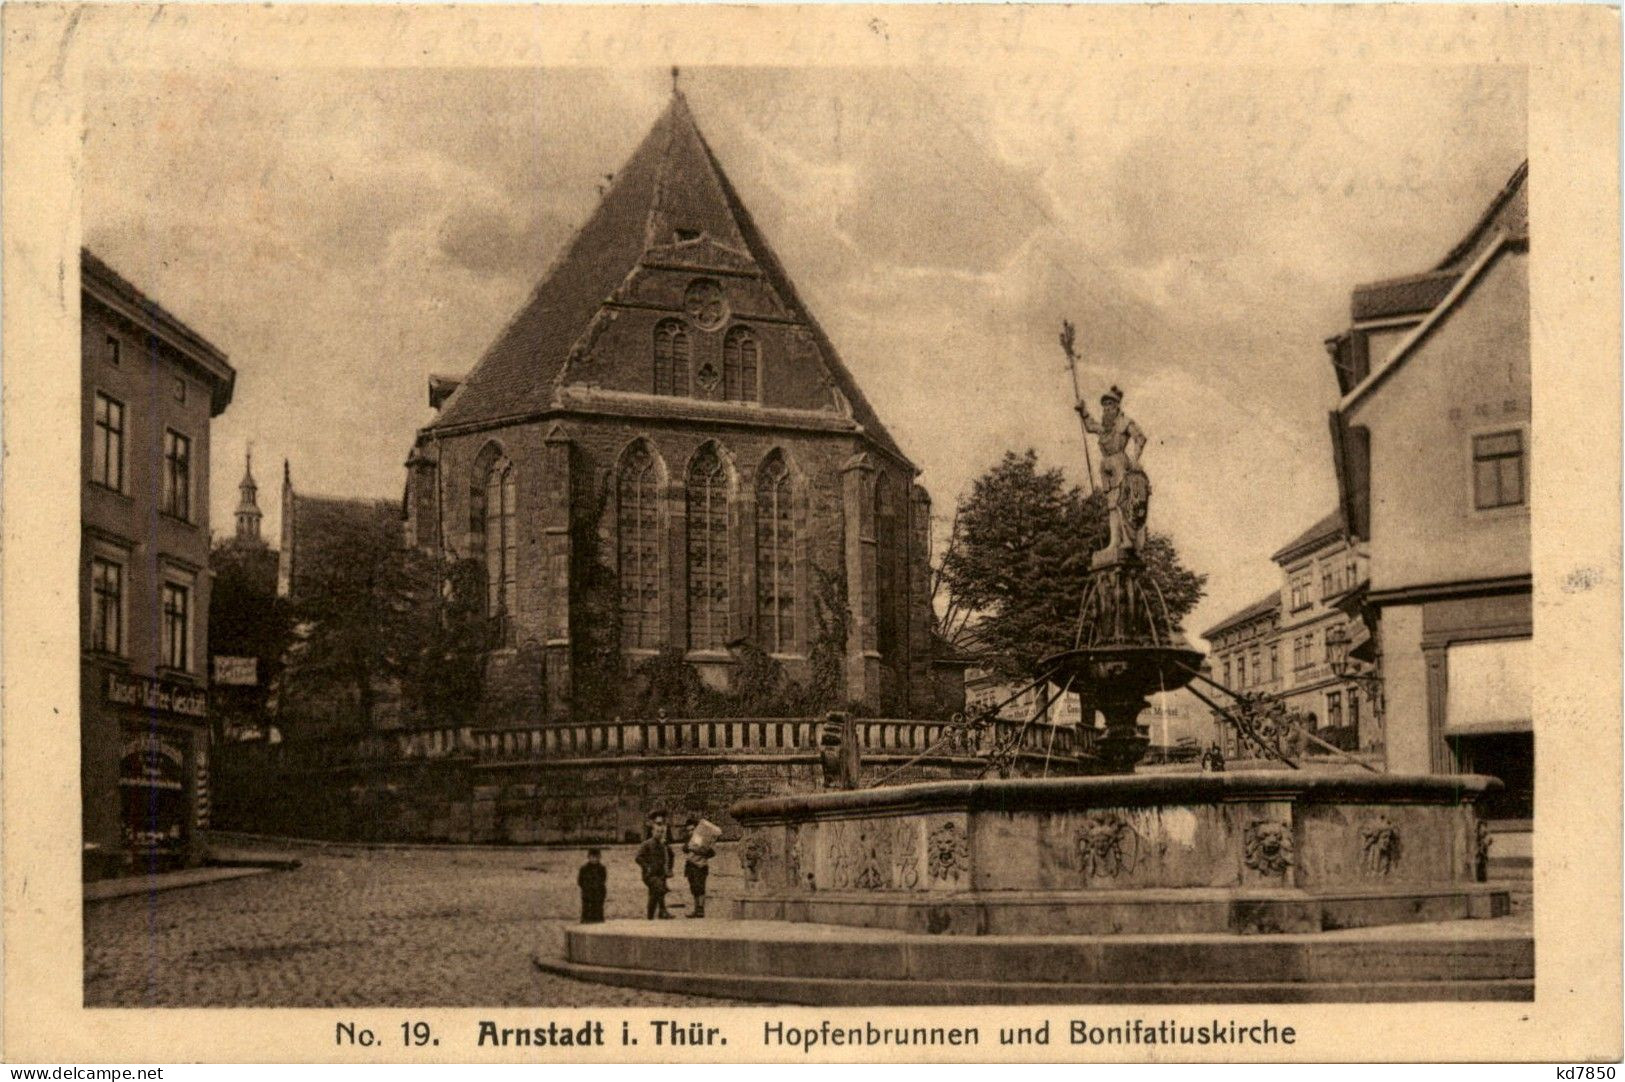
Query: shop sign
{"points": [[152, 761], [147, 694], [237, 671]]}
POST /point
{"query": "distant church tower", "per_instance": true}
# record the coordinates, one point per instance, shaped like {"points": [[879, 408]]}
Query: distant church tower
{"points": [[248, 508]]}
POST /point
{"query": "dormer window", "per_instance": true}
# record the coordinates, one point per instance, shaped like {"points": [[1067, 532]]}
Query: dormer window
{"points": [[685, 235]]}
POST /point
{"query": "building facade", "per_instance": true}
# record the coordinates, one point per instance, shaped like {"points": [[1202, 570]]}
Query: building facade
{"points": [[663, 453], [1432, 443], [151, 386], [1283, 644]]}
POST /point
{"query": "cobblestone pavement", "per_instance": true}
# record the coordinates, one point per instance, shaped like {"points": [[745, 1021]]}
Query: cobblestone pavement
{"points": [[358, 928]]}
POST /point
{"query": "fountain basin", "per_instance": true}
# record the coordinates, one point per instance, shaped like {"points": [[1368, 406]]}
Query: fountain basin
{"points": [[1240, 853]]}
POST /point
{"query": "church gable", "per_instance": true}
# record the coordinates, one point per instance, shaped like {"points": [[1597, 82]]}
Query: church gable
{"points": [[669, 290]]}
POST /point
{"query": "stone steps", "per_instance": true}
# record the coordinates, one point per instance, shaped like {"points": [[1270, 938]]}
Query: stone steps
{"points": [[830, 965]]}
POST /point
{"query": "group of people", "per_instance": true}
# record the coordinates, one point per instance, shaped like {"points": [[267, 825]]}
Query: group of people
{"points": [[655, 864]]}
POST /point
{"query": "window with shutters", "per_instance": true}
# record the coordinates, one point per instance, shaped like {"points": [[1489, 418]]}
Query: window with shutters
{"points": [[709, 574], [741, 360], [671, 349], [637, 490], [775, 557]]}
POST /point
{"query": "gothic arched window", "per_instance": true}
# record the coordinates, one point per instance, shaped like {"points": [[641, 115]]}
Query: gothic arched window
{"points": [[501, 538], [775, 557], [671, 358], [709, 576], [638, 519], [741, 356], [888, 557]]}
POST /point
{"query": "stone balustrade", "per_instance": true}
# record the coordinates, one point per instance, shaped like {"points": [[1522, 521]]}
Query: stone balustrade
{"points": [[883, 738]]}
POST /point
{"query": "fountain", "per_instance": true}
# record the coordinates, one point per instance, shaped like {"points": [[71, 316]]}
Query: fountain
{"points": [[1268, 885]]}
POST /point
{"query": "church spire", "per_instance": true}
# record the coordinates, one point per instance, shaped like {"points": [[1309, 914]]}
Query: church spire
{"points": [[248, 508]]}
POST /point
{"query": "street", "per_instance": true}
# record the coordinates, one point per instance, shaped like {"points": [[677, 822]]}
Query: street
{"points": [[355, 927]]}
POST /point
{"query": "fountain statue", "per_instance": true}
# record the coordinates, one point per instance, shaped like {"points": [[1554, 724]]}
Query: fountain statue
{"points": [[1127, 646]]}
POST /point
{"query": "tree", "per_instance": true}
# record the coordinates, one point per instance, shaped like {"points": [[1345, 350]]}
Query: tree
{"points": [[364, 604], [443, 655], [246, 619], [1018, 559]]}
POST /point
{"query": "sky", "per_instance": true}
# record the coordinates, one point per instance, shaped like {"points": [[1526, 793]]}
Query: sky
{"points": [[343, 234]]}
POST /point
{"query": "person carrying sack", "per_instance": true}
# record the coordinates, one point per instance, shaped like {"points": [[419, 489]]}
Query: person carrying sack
{"points": [[697, 854]]}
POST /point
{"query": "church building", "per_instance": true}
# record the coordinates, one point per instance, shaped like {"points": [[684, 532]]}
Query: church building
{"points": [[662, 451]]}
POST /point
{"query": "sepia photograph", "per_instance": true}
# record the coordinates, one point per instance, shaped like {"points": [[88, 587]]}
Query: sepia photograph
{"points": [[693, 532]]}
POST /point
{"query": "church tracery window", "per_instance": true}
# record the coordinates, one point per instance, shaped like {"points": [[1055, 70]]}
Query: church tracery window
{"points": [[501, 540], [775, 557], [888, 573], [709, 573], [741, 357], [705, 304], [671, 353], [638, 563]]}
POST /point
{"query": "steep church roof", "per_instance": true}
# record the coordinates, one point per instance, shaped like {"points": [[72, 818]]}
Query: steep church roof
{"points": [[672, 182]]}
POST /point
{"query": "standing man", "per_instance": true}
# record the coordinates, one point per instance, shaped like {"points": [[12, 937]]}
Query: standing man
{"points": [[697, 854], [1128, 490], [592, 880], [654, 862]]}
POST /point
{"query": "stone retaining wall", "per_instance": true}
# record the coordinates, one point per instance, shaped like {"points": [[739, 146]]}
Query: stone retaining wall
{"points": [[560, 784]]}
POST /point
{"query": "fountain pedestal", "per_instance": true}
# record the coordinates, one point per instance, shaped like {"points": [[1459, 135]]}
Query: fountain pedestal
{"points": [[1126, 650]]}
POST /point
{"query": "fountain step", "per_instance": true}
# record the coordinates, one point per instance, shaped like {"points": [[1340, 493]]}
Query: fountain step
{"points": [[830, 965], [1149, 911]]}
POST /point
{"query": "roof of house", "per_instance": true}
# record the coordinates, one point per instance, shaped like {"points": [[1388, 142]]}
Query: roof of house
{"points": [[1270, 602], [1414, 294], [1464, 285], [116, 292], [671, 177], [1508, 212], [1326, 528]]}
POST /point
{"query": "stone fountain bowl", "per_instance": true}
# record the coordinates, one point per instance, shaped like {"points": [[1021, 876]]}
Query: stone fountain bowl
{"points": [[1132, 670], [1278, 851]]}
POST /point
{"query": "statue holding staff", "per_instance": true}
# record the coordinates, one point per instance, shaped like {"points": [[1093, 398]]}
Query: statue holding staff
{"points": [[1128, 490]]}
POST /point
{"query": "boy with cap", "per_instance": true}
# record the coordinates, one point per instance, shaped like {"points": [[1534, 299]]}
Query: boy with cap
{"points": [[592, 879]]}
